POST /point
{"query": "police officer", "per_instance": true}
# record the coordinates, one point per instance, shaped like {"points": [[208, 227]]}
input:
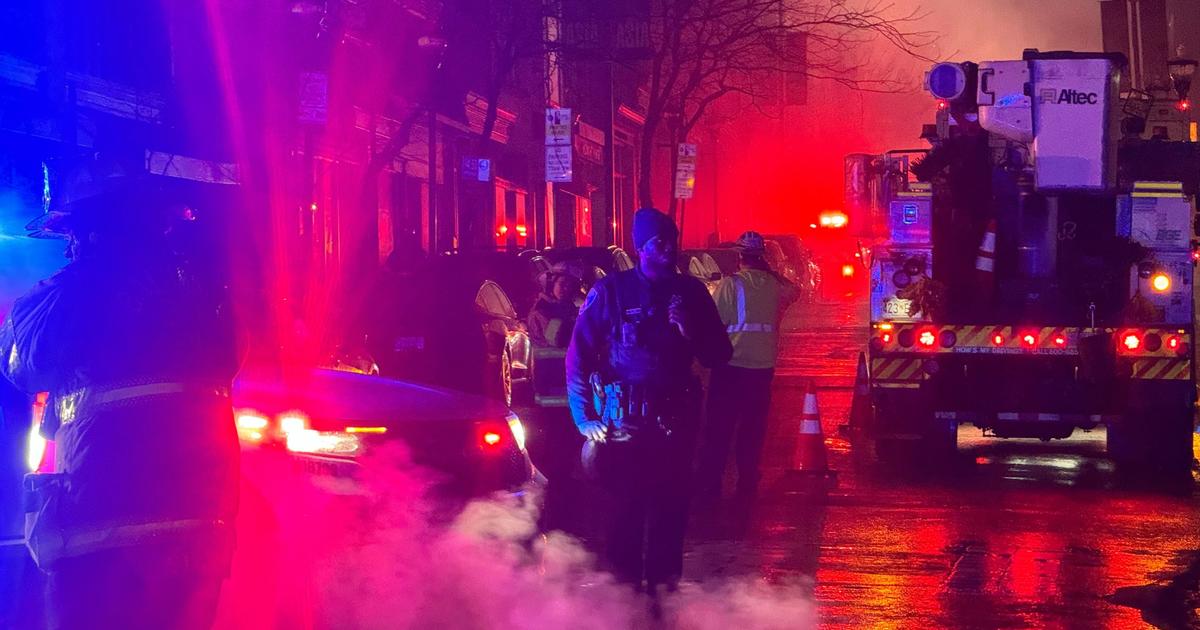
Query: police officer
{"points": [[751, 303], [138, 353], [633, 394]]}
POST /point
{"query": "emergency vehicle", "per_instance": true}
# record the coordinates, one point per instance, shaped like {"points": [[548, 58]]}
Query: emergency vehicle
{"points": [[1037, 274]]}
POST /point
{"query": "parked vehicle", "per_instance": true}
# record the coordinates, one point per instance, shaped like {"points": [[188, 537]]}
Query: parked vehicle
{"points": [[700, 264], [594, 262], [449, 324], [804, 261]]}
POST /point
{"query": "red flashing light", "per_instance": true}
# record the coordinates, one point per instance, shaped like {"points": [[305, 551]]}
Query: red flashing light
{"points": [[491, 438], [1131, 342], [997, 340], [1184, 105]]}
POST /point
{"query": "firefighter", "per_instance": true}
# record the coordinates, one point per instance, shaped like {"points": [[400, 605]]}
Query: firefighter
{"points": [[552, 317], [751, 303], [634, 396], [137, 351]]}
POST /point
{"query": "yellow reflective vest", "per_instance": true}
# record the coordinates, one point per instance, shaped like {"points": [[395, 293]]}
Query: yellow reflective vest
{"points": [[751, 303]]}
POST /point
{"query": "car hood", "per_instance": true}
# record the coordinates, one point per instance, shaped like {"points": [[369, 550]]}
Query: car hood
{"points": [[345, 396]]}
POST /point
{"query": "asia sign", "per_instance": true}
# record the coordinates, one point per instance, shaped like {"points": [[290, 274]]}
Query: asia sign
{"points": [[685, 171]]}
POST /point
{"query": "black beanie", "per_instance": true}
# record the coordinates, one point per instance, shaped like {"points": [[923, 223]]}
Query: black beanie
{"points": [[648, 223]]}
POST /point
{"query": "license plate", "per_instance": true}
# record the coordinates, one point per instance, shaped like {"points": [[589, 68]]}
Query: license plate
{"points": [[408, 344], [896, 307]]}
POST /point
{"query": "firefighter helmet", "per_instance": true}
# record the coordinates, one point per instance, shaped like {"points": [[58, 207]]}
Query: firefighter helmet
{"points": [[751, 243]]}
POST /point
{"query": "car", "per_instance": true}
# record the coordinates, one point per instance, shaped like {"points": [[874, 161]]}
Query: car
{"points": [[595, 262], [802, 259], [450, 325], [331, 420], [781, 263], [726, 259], [518, 274], [700, 265]]}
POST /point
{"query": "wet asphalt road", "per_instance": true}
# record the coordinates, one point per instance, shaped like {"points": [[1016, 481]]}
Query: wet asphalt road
{"points": [[1018, 534]]}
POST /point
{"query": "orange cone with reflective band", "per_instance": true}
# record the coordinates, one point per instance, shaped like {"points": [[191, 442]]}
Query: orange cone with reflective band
{"points": [[810, 444]]}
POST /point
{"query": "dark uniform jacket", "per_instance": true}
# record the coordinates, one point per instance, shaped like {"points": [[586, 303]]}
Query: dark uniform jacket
{"points": [[115, 325], [623, 333]]}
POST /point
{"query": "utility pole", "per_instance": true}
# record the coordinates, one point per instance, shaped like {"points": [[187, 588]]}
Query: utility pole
{"points": [[433, 196], [610, 163]]}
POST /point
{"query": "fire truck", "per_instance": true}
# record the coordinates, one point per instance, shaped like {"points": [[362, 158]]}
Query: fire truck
{"points": [[1037, 274]]}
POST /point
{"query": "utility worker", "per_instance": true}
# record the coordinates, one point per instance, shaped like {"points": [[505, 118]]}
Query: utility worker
{"points": [[553, 315], [633, 394], [138, 353], [751, 303]]}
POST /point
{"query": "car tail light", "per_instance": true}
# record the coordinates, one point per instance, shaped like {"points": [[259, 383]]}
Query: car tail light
{"points": [[847, 271], [292, 422], [491, 438], [1152, 342], [1131, 342]]}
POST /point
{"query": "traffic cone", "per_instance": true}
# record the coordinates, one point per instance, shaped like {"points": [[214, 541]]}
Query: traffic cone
{"points": [[861, 418], [810, 461]]}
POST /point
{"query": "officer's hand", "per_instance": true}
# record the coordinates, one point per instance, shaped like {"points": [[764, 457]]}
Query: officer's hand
{"points": [[679, 317], [593, 430]]}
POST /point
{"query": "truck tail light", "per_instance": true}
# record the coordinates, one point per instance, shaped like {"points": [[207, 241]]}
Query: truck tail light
{"points": [[1060, 341], [997, 340], [1152, 342], [927, 338], [1029, 340], [1174, 343], [1131, 342]]}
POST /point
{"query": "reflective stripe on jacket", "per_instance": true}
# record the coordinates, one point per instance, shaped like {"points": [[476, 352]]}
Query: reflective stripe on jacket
{"points": [[751, 303]]}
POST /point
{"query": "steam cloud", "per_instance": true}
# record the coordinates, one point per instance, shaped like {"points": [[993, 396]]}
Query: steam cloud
{"points": [[381, 553]]}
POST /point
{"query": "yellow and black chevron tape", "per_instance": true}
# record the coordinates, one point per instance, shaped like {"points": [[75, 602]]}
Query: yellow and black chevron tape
{"points": [[1162, 369]]}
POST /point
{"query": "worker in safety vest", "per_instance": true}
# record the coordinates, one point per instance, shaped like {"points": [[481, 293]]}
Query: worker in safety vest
{"points": [[751, 303], [137, 351]]}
